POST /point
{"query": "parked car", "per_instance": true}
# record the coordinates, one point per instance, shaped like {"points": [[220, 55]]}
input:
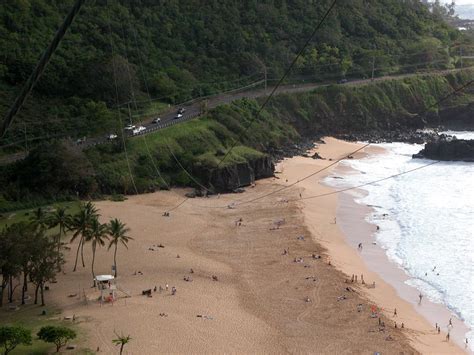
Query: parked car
{"points": [[156, 120], [342, 81], [179, 115], [129, 127], [112, 136], [181, 110], [81, 140]]}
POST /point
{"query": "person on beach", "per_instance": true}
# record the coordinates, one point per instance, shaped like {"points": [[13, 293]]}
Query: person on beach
{"points": [[436, 326], [359, 246], [421, 298], [396, 325], [362, 279], [173, 291], [451, 322], [352, 278], [447, 337], [166, 286], [403, 325], [395, 312], [439, 330], [467, 344], [373, 284]]}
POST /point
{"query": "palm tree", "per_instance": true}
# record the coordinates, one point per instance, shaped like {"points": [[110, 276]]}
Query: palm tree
{"points": [[39, 217], [80, 225], [118, 231], [63, 220], [97, 234], [121, 340]]}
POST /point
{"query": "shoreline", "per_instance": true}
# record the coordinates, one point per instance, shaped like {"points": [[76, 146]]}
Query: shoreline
{"points": [[260, 277], [352, 228], [351, 213]]}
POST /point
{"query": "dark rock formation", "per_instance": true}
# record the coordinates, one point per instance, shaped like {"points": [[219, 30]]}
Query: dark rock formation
{"points": [[448, 149], [380, 136], [231, 178]]}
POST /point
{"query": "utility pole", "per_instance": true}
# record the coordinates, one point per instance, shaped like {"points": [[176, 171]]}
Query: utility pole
{"points": [[265, 72], [129, 113], [373, 67], [26, 137]]}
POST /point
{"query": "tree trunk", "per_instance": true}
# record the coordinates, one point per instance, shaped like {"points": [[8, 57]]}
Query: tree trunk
{"points": [[36, 293], [77, 254], [10, 289], [4, 284], [93, 260], [115, 260], [59, 247], [82, 253], [25, 287], [42, 294], [121, 348]]}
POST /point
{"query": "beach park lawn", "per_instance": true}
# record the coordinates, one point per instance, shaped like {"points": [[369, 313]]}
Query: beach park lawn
{"points": [[30, 317], [24, 215]]}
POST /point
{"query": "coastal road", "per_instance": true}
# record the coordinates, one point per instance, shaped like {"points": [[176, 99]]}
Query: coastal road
{"points": [[193, 108]]}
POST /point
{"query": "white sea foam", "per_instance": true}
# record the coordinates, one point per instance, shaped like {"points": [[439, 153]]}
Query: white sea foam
{"points": [[426, 220]]}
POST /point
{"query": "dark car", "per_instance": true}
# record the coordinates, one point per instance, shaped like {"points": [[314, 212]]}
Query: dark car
{"points": [[181, 110], [342, 81]]}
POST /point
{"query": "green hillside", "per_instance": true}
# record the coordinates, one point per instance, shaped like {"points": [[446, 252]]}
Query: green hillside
{"points": [[177, 50]]}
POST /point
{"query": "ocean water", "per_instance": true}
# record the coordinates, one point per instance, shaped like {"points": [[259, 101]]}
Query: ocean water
{"points": [[426, 221]]}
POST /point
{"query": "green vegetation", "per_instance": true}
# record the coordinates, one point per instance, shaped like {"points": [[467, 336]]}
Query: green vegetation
{"points": [[200, 144], [179, 50], [57, 335], [31, 256], [12, 336]]}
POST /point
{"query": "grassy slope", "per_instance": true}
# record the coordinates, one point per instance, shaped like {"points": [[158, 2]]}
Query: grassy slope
{"points": [[335, 109]]}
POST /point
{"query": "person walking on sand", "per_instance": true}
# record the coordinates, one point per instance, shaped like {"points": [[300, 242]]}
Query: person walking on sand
{"points": [[439, 330], [395, 312], [166, 286], [467, 344], [359, 246], [447, 337], [451, 322], [420, 297]]}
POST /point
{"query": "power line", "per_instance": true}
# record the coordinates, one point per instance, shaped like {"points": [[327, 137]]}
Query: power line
{"points": [[367, 183], [40, 67], [257, 115], [117, 99]]}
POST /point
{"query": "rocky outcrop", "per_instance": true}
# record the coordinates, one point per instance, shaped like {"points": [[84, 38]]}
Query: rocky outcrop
{"points": [[457, 117], [448, 149], [238, 175], [380, 136]]}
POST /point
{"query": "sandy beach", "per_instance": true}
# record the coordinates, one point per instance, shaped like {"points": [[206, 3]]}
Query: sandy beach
{"points": [[261, 299]]}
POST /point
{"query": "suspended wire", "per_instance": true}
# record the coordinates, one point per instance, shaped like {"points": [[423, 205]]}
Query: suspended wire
{"points": [[185, 171], [40, 67], [367, 183], [114, 68], [257, 115], [145, 81], [426, 109]]}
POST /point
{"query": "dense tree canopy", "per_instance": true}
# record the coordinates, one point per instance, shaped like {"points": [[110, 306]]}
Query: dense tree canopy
{"points": [[179, 49]]}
